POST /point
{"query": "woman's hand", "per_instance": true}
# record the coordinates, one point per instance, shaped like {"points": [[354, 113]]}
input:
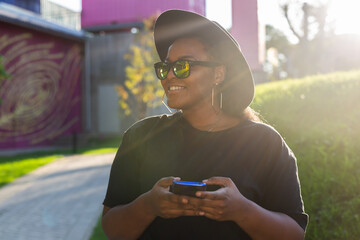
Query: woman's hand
{"points": [[166, 204], [226, 203]]}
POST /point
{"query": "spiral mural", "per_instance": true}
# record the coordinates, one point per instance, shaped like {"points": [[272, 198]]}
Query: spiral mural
{"points": [[41, 101]]}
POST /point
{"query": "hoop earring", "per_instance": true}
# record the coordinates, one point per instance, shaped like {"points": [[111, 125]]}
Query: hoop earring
{"points": [[213, 95], [162, 100], [221, 102]]}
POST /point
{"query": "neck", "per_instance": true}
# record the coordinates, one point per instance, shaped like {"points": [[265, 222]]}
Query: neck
{"points": [[202, 119], [208, 118]]}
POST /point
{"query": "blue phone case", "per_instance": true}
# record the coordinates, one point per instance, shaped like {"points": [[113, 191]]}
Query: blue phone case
{"points": [[187, 188]]}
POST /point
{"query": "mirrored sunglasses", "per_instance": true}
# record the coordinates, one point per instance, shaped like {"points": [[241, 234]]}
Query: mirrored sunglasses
{"points": [[180, 68]]}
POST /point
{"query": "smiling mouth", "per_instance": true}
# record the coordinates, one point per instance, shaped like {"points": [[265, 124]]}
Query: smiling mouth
{"points": [[175, 88]]}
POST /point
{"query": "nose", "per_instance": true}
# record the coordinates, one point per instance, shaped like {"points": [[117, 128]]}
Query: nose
{"points": [[170, 74]]}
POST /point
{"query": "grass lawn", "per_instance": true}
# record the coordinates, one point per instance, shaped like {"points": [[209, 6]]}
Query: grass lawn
{"points": [[98, 233], [12, 167]]}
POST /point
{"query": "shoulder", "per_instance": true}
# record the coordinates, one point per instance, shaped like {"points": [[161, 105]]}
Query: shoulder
{"points": [[270, 140], [263, 139], [260, 130], [268, 147], [141, 132], [150, 124]]}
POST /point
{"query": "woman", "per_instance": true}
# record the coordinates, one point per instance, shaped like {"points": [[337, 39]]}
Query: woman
{"points": [[215, 138]]}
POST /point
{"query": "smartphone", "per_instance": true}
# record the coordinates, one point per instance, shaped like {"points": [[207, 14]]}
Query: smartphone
{"points": [[187, 188]]}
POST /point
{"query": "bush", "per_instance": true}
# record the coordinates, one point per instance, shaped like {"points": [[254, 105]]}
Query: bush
{"points": [[319, 117]]}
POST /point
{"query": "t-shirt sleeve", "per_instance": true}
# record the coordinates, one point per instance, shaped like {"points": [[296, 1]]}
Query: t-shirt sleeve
{"points": [[282, 192], [123, 186]]}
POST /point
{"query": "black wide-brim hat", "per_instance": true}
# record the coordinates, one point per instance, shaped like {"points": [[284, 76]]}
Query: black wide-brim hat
{"points": [[238, 86]]}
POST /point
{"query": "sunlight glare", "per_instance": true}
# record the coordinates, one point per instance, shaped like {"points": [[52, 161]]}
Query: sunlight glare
{"points": [[346, 16], [219, 11]]}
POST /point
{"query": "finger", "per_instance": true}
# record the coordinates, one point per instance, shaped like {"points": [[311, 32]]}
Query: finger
{"points": [[167, 181], [210, 211], [189, 212], [165, 207], [211, 215], [177, 198], [217, 204], [221, 181], [198, 203], [179, 206], [195, 202], [212, 195], [172, 213]]}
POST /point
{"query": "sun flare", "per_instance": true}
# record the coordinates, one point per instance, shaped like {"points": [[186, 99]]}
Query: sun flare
{"points": [[346, 15]]}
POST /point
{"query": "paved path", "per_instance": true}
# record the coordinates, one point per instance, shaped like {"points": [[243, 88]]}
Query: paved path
{"points": [[61, 200]]}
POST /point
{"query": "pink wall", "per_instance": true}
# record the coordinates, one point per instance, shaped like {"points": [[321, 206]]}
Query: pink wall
{"points": [[100, 12], [245, 29], [42, 99], [245, 26]]}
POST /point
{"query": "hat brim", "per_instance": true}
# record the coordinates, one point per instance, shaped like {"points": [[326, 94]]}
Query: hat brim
{"points": [[175, 24]]}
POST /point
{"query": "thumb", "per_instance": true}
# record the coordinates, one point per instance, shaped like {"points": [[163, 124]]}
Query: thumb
{"points": [[221, 181], [167, 181]]}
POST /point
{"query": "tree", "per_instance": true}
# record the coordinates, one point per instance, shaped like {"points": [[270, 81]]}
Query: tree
{"points": [[318, 49], [141, 88], [278, 48], [308, 23]]}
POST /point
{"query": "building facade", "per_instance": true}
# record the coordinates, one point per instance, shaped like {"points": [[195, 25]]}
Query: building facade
{"points": [[115, 12], [30, 5], [42, 100], [58, 14]]}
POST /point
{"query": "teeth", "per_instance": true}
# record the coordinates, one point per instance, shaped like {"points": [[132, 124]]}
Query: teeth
{"points": [[174, 88]]}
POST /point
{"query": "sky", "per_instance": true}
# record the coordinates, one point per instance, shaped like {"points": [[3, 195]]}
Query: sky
{"points": [[344, 11]]}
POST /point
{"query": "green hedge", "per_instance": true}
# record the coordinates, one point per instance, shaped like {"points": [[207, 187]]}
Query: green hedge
{"points": [[319, 117]]}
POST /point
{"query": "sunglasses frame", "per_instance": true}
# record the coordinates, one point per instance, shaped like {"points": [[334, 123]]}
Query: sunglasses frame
{"points": [[170, 65]]}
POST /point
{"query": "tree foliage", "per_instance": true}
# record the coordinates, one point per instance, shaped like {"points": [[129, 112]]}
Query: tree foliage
{"points": [[308, 22], [318, 49], [278, 48], [141, 88]]}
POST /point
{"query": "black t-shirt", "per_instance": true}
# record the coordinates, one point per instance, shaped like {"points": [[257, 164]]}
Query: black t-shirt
{"points": [[252, 154]]}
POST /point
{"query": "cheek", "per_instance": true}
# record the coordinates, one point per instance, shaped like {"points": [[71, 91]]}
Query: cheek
{"points": [[204, 83]]}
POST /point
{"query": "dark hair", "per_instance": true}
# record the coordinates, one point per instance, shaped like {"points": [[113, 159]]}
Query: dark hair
{"points": [[251, 114]]}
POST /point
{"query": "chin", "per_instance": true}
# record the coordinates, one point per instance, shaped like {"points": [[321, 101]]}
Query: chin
{"points": [[173, 104]]}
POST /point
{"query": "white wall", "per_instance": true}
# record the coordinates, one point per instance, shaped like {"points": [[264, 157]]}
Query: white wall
{"points": [[108, 109]]}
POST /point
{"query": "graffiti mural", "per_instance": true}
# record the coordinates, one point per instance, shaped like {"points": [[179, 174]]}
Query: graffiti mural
{"points": [[41, 100]]}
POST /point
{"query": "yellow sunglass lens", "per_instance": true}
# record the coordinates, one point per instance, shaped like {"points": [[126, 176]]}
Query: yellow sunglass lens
{"points": [[182, 69]]}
